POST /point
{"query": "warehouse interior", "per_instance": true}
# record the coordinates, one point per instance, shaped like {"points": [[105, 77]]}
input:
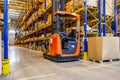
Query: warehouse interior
{"points": [[59, 39]]}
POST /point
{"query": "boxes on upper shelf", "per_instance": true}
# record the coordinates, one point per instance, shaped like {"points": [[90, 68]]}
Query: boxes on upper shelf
{"points": [[49, 35], [48, 2], [73, 5], [1, 15], [49, 19]]}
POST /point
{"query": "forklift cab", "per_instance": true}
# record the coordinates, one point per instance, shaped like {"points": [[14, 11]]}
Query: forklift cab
{"points": [[68, 42]]}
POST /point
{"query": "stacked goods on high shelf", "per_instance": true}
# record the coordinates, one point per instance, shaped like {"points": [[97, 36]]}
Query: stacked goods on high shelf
{"points": [[77, 6], [1, 15], [48, 2], [73, 5], [32, 26]]}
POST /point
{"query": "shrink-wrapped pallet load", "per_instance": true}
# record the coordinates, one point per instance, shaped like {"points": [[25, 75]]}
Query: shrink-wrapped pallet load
{"points": [[76, 4]]}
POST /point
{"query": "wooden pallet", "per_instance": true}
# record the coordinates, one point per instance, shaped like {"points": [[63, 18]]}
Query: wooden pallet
{"points": [[104, 61]]}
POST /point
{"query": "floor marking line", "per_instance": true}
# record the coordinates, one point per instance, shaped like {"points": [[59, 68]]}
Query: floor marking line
{"points": [[34, 77], [93, 67]]}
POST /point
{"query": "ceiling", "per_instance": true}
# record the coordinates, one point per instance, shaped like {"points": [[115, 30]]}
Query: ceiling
{"points": [[16, 8]]}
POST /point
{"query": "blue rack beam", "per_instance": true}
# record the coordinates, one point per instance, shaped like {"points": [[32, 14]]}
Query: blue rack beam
{"points": [[100, 17], [115, 18], [85, 26], [104, 13], [37, 34], [5, 29], [45, 18]]}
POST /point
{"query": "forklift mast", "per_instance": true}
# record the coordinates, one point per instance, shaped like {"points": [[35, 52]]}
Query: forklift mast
{"points": [[58, 23]]}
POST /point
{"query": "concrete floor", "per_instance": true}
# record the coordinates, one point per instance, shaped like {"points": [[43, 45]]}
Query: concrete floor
{"points": [[30, 65]]}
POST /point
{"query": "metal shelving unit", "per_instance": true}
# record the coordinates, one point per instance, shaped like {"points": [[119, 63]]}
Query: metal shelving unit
{"points": [[91, 15], [32, 31]]}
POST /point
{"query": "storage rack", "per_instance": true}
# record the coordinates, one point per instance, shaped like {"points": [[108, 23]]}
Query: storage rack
{"points": [[29, 34], [37, 18]]}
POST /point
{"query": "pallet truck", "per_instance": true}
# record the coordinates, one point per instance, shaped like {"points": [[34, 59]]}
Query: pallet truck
{"points": [[64, 46]]}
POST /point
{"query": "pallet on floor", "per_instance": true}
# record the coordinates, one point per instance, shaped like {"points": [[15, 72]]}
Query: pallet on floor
{"points": [[104, 61]]}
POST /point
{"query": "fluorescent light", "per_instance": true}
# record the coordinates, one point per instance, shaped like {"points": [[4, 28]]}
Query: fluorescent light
{"points": [[12, 31]]}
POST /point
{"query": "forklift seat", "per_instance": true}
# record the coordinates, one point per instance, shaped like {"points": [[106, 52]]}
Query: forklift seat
{"points": [[68, 42], [73, 34]]}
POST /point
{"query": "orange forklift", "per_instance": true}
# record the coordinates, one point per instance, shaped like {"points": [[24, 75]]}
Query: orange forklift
{"points": [[65, 46]]}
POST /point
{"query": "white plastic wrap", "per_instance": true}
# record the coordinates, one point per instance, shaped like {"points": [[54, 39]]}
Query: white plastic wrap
{"points": [[92, 3], [109, 6]]}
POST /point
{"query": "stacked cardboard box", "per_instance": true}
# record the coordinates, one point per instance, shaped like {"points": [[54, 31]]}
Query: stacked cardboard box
{"points": [[1, 15], [73, 5], [48, 34], [48, 2], [49, 18]]}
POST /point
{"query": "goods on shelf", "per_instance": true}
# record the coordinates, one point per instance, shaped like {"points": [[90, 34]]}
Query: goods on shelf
{"points": [[48, 34], [49, 18], [73, 4], [48, 2], [77, 4]]}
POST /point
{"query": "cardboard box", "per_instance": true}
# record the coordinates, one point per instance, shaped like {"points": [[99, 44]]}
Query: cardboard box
{"points": [[103, 48]]}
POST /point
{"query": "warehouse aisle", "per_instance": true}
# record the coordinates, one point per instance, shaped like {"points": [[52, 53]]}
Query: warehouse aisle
{"points": [[28, 64]]}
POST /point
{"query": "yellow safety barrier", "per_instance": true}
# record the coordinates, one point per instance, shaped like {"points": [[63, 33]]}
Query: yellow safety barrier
{"points": [[6, 66], [85, 56]]}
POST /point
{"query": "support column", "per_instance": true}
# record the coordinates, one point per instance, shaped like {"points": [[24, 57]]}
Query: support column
{"points": [[5, 29], [45, 18], [100, 17], [104, 13], [85, 31], [5, 62], [115, 18], [36, 27]]}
